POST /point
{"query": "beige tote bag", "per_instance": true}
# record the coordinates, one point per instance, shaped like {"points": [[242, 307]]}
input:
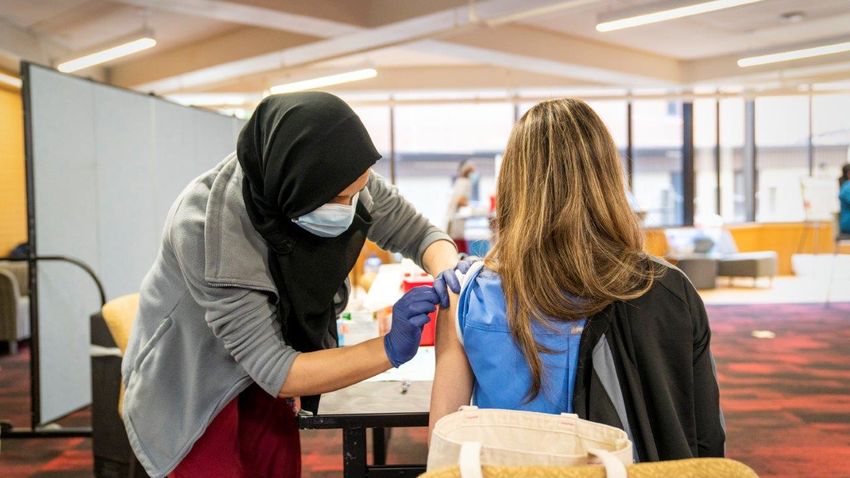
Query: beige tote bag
{"points": [[471, 437]]}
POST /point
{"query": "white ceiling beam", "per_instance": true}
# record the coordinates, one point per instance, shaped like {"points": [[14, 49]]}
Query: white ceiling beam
{"points": [[399, 33], [21, 44], [17, 44], [221, 49], [555, 53], [232, 12], [725, 69], [413, 78], [786, 78]]}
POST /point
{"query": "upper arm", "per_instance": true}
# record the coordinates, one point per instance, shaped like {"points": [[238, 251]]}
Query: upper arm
{"points": [[453, 378]]}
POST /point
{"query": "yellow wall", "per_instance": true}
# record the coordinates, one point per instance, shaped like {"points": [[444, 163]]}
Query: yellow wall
{"points": [[13, 203]]}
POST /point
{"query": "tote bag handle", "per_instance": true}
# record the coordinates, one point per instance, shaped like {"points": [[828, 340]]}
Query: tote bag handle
{"points": [[470, 461]]}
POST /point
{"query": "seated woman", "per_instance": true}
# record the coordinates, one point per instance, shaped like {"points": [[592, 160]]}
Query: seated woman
{"points": [[567, 313]]}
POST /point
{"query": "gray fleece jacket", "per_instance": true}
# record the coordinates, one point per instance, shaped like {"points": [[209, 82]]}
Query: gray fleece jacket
{"points": [[206, 328]]}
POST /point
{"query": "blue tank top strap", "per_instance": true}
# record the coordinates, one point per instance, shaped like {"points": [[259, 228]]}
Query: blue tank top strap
{"points": [[470, 276]]}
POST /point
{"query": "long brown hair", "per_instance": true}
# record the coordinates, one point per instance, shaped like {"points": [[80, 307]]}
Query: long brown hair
{"points": [[568, 244]]}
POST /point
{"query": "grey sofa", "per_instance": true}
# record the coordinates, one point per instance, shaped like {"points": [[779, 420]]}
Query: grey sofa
{"points": [[755, 264], [14, 303], [704, 254], [702, 271], [748, 264]]}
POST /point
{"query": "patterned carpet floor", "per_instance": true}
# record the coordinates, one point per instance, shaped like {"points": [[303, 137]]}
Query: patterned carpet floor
{"points": [[786, 400]]}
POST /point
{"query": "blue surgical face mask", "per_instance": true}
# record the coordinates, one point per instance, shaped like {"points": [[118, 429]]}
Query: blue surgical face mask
{"points": [[329, 220], [474, 177]]}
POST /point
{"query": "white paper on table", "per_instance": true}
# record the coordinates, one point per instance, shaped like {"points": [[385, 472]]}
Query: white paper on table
{"points": [[386, 288], [419, 369]]}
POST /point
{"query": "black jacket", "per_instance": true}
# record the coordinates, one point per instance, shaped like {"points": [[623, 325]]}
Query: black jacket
{"points": [[645, 366]]}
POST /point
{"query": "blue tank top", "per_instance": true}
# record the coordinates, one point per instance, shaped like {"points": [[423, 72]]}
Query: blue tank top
{"points": [[502, 376]]}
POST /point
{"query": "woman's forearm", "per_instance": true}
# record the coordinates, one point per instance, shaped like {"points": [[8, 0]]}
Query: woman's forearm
{"points": [[324, 371]]}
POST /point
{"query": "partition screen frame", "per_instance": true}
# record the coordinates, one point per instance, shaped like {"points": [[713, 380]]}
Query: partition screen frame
{"points": [[32, 270]]}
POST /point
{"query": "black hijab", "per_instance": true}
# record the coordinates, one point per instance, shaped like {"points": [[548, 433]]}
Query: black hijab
{"points": [[298, 151]]}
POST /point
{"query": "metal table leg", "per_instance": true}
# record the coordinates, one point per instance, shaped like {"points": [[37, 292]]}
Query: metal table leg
{"points": [[379, 445], [354, 452]]}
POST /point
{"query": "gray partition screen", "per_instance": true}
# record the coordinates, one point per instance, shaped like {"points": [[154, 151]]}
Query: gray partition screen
{"points": [[104, 165]]}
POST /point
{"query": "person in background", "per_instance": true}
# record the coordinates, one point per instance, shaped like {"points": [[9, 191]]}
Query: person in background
{"points": [[570, 308], [844, 199], [461, 197]]}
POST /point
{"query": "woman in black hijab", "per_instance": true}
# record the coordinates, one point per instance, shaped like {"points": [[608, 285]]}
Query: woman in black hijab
{"points": [[250, 280]]}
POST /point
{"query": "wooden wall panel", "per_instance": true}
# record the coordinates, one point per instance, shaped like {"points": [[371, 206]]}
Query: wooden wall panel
{"points": [[787, 239], [655, 242], [13, 200]]}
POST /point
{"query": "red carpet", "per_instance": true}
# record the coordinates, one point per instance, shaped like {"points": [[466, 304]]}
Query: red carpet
{"points": [[786, 400]]}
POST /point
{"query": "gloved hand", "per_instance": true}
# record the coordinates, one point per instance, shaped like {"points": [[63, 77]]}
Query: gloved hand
{"points": [[410, 314], [448, 280]]}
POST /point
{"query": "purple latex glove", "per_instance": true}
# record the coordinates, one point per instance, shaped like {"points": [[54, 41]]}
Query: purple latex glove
{"points": [[410, 314], [447, 280]]}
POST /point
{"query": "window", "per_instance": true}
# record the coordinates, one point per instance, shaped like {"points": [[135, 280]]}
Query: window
{"points": [[831, 133], [377, 122], [432, 140], [705, 142], [614, 115], [657, 181], [732, 200], [782, 135]]}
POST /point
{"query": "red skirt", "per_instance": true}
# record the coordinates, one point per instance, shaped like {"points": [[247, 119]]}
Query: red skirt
{"points": [[255, 435]]}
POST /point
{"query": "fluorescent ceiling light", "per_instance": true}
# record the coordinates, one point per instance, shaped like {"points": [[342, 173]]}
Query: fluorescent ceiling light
{"points": [[665, 11], [789, 55], [108, 54], [10, 80], [323, 81]]}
